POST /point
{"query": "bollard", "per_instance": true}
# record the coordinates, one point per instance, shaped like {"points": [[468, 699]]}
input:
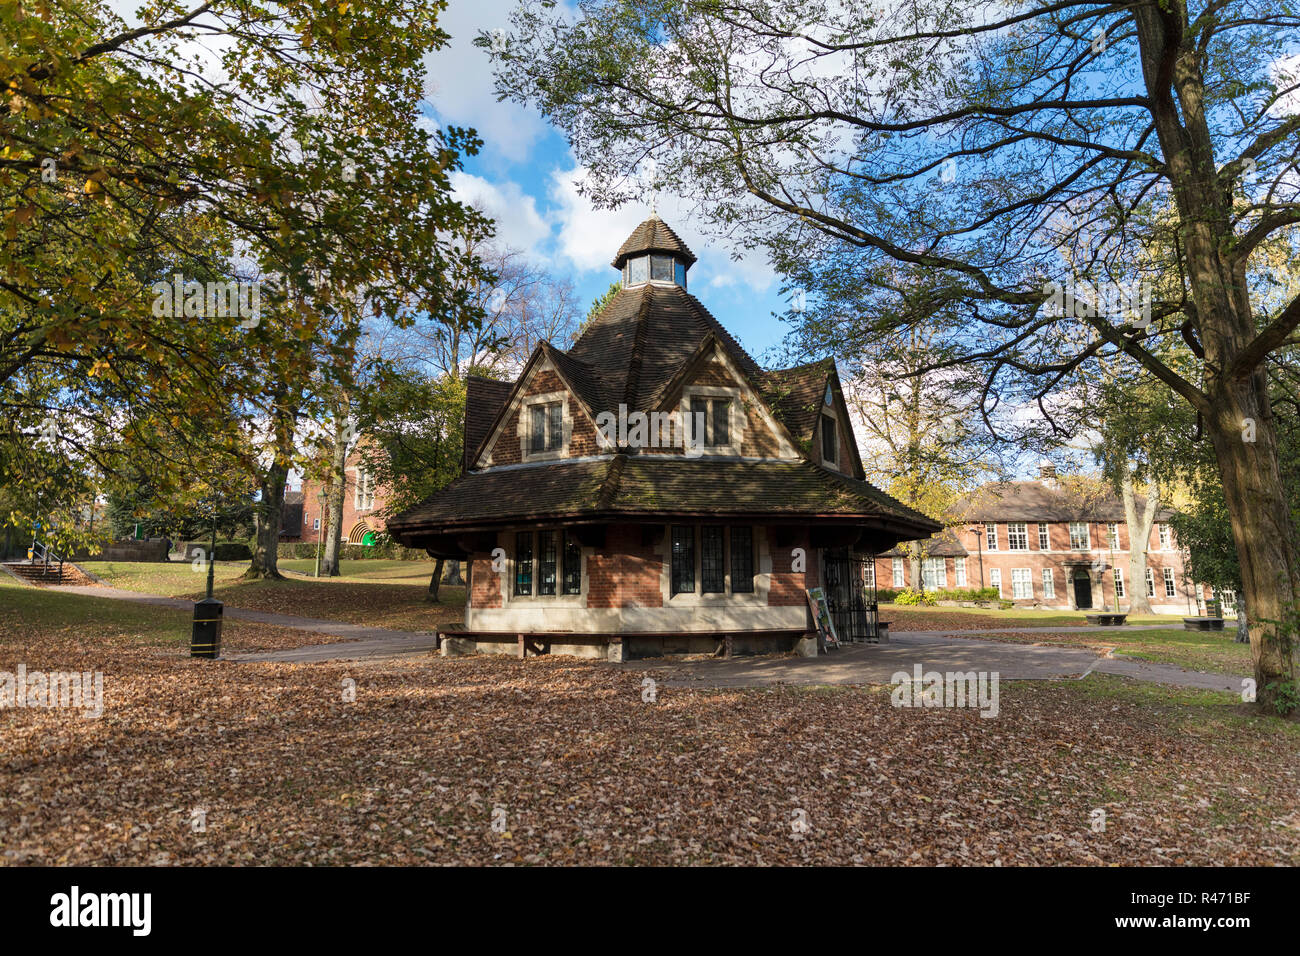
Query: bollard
{"points": [[205, 639]]}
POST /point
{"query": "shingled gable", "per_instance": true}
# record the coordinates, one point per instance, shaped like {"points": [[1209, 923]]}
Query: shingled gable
{"points": [[642, 350]]}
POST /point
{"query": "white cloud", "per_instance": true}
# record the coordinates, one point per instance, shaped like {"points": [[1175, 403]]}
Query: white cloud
{"points": [[589, 237], [458, 82], [519, 224]]}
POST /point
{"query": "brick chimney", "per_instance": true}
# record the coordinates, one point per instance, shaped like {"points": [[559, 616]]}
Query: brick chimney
{"points": [[1047, 473]]}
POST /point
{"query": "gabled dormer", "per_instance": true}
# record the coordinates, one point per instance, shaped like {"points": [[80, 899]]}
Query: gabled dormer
{"points": [[809, 401]]}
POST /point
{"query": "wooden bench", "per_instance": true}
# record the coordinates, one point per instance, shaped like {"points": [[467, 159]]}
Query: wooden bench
{"points": [[1106, 620], [1202, 623], [539, 642]]}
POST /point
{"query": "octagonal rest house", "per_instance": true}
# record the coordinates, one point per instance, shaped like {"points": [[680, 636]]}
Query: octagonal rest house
{"points": [[590, 529]]}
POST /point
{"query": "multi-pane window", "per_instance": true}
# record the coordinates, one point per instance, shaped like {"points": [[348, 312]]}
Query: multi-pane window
{"points": [[1079, 539], [991, 535], [1017, 536], [1119, 582], [524, 563], [713, 571], [1170, 589], [1166, 537], [742, 559], [995, 579], [934, 573], [683, 559], [1112, 535], [710, 421], [661, 268], [830, 450], [869, 574], [1049, 586], [959, 571], [899, 580], [572, 564], [545, 427], [1044, 543], [1151, 583], [1022, 584], [546, 562], [717, 545], [364, 498]]}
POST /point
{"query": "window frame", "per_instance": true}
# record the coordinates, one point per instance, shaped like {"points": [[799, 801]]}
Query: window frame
{"points": [[1171, 585], [995, 581], [1049, 584], [1044, 536], [522, 538], [991, 536], [899, 573], [1087, 536], [1118, 578], [959, 572], [1023, 533], [830, 432], [1026, 578]]}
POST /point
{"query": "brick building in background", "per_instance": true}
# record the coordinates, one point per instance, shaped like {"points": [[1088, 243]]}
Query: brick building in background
{"points": [[304, 517], [1041, 545]]}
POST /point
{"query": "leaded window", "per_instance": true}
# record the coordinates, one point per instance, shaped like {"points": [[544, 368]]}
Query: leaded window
{"points": [[742, 560], [683, 560], [524, 563], [572, 564], [713, 571], [546, 562]]}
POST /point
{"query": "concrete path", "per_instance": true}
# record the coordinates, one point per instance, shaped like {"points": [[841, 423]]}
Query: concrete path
{"points": [[853, 664], [363, 641], [877, 663]]}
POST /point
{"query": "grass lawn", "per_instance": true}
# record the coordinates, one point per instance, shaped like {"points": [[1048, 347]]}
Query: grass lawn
{"points": [[381, 593], [89, 627], [284, 770], [907, 618], [1213, 651]]}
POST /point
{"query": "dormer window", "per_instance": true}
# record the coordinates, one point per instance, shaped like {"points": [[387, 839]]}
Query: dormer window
{"points": [[545, 427], [830, 448]]}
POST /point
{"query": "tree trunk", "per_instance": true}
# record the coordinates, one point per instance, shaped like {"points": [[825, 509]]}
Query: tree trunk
{"points": [[267, 516], [435, 582], [335, 491], [1261, 528], [1139, 539], [453, 575]]}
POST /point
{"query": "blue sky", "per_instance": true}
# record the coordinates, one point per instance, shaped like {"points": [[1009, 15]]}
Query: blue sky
{"points": [[525, 175]]}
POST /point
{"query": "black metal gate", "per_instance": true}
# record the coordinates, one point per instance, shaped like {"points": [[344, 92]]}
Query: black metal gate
{"points": [[851, 594]]}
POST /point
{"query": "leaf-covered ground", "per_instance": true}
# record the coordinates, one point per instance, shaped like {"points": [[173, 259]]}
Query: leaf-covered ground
{"points": [[553, 761]]}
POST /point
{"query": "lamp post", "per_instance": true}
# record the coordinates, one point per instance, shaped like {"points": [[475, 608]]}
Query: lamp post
{"points": [[978, 531]]}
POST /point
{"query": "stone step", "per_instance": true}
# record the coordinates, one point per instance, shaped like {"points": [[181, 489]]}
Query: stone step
{"points": [[39, 574]]}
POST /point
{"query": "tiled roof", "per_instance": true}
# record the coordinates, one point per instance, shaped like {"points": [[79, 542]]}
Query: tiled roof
{"points": [[653, 235], [484, 398], [796, 395], [643, 485], [1038, 501]]}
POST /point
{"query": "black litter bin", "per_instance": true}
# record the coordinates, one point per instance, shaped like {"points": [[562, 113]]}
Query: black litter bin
{"points": [[205, 639]]}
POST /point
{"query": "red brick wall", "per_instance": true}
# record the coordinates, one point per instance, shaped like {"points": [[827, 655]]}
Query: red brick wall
{"points": [[484, 583], [787, 586], [312, 506], [582, 441]]}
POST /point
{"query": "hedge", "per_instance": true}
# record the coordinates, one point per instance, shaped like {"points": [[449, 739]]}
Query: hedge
{"points": [[388, 550], [226, 550]]}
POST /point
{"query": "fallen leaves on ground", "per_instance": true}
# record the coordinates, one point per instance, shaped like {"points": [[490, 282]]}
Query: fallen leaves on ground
{"points": [[557, 761]]}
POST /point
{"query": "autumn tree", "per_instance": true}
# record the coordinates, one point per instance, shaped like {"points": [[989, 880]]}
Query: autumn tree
{"points": [[985, 157]]}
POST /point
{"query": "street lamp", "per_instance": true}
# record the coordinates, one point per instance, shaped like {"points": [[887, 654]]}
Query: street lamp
{"points": [[978, 531]]}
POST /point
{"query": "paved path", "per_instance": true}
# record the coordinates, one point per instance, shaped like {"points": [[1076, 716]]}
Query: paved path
{"points": [[853, 664], [363, 641], [934, 651]]}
